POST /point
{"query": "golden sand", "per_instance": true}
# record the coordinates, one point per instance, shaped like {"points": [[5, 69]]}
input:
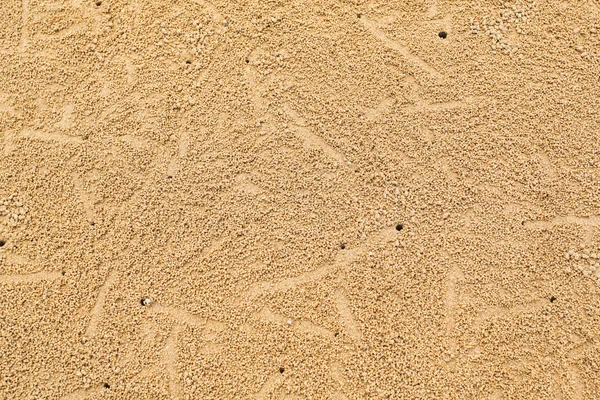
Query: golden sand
{"points": [[299, 199]]}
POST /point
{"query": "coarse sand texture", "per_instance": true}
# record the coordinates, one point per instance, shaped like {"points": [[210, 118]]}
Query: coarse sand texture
{"points": [[301, 199]]}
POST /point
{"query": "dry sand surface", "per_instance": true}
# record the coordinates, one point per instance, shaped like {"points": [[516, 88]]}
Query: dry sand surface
{"points": [[302, 199]]}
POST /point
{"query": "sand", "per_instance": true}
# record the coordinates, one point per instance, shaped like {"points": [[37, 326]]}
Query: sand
{"points": [[299, 200]]}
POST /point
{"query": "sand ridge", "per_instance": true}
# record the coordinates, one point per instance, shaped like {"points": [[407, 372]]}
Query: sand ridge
{"points": [[299, 200]]}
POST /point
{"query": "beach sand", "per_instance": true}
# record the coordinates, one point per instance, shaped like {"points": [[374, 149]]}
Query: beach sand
{"points": [[299, 200]]}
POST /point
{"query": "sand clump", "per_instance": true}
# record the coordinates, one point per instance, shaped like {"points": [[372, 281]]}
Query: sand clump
{"points": [[299, 200]]}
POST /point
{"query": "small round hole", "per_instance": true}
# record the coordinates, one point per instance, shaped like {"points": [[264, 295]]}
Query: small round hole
{"points": [[106, 385], [188, 62], [552, 299], [247, 61], [281, 370], [343, 246], [359, 15], [146, 301], [63, 273], [399, 227], [2, 243], [98, 3], [443, 35]]}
